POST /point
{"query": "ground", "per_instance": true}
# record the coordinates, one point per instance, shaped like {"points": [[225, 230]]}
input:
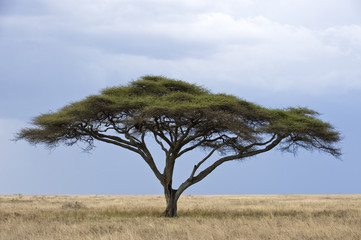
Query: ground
{"points": [[280, 217]]}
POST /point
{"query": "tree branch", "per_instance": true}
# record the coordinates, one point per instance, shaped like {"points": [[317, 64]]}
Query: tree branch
{"points": [[192, 180], [202, 142], [185, 134], [160, 133], [139, 148], [203, 160], [150, 161], [260, 144], [160, 144], [111, 139], [265, 149]]}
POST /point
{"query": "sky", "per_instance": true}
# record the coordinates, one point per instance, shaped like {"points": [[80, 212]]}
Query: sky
{"points": [[276, 53]]}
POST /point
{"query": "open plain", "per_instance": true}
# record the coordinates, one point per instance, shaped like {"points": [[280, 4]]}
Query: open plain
{"points": [[248, 217]]}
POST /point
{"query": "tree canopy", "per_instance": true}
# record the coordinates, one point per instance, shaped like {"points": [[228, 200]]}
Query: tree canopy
{"points": [[181, 117]]}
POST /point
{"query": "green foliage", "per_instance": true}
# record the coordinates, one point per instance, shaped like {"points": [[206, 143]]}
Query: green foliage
{"points": [[135, 108], [150, 94]]}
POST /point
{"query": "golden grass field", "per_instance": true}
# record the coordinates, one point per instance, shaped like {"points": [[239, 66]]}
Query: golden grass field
{"points": [[278, 217]]}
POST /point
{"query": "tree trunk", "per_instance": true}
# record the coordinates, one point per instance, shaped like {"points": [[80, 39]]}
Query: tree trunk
{"points": [[171, 199]]}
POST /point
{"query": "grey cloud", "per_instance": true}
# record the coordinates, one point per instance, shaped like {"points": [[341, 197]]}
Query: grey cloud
{"points": [[205, 44], [138, 44]]}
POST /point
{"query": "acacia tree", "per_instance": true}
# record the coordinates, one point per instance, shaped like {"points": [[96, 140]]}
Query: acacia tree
{"points": [[181, 117]]}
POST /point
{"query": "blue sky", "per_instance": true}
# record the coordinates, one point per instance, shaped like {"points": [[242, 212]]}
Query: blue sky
{"points": [[276, 53]]}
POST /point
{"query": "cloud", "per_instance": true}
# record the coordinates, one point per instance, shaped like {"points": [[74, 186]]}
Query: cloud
{"points": [[241, 42], [252, 52]]}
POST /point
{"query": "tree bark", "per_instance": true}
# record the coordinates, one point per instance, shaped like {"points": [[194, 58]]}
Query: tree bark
{"points": [[171, 199]]}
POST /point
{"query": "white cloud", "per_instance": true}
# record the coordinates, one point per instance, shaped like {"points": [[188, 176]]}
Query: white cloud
{"points": [[236, 41], [347, 38], [255, 52]]}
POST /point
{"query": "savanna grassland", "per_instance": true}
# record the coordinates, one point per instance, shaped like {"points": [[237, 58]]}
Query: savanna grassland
{"points": [[248, 217]]}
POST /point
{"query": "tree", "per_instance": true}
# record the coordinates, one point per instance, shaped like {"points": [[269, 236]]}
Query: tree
{"points": [[181, 117]]}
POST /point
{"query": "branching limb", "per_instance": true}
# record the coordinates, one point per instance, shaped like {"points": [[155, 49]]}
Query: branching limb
{"points": [[160, 133], [190, 148], [149, 160], [200, 143], [203, 160], [185, 134], [270, 146], [160, 143], [194, 179], [135, 146], [260, 144], [112, 140]]}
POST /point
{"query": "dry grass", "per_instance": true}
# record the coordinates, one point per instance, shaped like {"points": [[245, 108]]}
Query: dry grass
{"points": [[278, 217]]}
